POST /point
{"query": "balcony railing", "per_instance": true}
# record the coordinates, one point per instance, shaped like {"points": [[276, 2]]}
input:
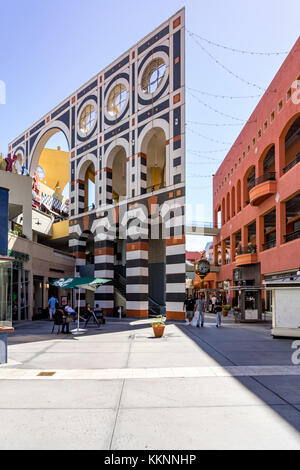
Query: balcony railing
{"points": [[155, 187], [292, 164], [269, 244], [244, 250], [268, 176], [292, 236]]}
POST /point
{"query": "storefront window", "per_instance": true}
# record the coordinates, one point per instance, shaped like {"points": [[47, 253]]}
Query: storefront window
{"points": [[20, 294], [5, 293]]}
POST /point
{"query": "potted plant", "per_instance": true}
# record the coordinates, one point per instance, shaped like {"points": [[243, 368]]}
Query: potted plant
{"points": [[225, 310], [159, 326]]}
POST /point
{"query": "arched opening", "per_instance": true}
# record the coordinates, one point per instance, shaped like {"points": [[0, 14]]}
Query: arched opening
{"points": [[155, 150], [249, 182], [292, 145], [50, 169], [233, 202], [223, 211], [238, 196], [89, 187], [119, 175], [228, 206], [218, 216]]}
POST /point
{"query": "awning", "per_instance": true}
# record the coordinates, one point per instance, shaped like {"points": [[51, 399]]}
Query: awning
{"points": [[88, 283]]}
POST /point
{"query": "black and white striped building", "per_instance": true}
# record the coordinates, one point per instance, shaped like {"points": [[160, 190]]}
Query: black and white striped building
{"points": [[126, 134]]}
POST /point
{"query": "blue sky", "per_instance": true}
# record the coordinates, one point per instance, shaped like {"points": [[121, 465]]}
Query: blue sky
{"points": [[50, 48]]}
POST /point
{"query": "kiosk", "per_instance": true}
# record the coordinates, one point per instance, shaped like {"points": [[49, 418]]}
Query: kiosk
{"points": [[285, 306]]}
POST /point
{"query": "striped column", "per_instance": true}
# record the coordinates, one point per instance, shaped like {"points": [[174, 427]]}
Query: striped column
{"points": [[108, 187], [175, 277], [80, 195], [143, 172], [104, 268], [137, 289]]}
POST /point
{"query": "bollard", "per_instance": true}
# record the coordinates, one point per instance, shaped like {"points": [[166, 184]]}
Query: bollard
{"points": [[4, 330]]}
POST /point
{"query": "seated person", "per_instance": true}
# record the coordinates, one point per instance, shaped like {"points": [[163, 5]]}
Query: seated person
{"points": [[70, 310], [99, 314]]}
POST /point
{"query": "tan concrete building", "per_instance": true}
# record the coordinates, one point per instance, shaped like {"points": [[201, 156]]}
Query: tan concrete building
{"points": [[35, 264]]}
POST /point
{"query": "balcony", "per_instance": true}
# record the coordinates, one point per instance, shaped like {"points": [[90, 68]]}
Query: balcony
{"points": [[268, 245], [292, 164], [264, 186], [292, 236], [246, 255]]}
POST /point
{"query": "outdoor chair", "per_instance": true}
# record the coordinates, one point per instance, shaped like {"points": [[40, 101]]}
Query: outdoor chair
{"points": [[57, 321]]}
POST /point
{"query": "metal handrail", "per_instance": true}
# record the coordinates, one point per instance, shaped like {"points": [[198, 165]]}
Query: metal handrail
{"points": [[269, 244], [243, 250], [268, 176], [292, 163], [292, 236]]}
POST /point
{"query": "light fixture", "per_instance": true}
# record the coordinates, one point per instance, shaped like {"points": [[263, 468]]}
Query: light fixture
{"points": [[298, 272]]}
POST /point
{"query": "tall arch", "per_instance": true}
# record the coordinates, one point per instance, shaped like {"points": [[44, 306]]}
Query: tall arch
{"points": [[290, 144], [266, 162], [87, 183], [238, 196], [228, 206], [153, 160], [41, 141], [248, 183], [116, 174], [233, 201]]}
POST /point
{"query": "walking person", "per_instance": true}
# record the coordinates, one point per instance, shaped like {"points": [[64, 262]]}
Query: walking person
{"points": [[200, 307], [52, 306], [213, 301], [189, 305], [218, 310]]}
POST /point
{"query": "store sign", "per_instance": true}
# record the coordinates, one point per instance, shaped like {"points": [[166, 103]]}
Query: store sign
{"points": [[18, 255]]}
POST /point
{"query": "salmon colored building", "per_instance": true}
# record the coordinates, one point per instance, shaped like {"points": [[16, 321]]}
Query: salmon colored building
{"points": [[256, 190]]}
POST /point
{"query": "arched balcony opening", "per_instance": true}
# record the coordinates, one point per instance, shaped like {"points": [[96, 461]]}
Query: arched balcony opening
{"points": [[249, 183], [119, 188], [238, 196], [292, 145], [228, 206], [89, 188], [223, 211], [233, 202], [155, 154]]}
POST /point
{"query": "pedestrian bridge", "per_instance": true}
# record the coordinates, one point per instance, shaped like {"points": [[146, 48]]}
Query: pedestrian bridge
{"points": [[206, 229]]}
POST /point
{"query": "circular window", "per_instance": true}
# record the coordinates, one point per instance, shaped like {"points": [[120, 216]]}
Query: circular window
{"points": [[153, 75], [116, 100], [87, 119]]}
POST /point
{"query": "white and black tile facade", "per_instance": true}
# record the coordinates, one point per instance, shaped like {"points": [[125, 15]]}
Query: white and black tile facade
{"points": [[164, 109]]}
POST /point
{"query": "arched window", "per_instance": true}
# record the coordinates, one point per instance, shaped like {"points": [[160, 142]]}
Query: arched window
{"points": [[292, 145], [228, 206], [233, 202], [238, 196]]}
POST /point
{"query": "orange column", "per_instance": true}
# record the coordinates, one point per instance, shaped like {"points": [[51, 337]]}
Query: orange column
{"points": [[280, 223], [260, 236]]}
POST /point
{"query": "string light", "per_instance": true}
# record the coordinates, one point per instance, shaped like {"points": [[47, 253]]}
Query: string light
{"points": [[207, 138], [214, 124], [214, 109], [240, 51], [226, 68], [223, 96]]}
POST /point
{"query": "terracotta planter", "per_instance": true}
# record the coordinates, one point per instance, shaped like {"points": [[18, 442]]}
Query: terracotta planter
{"points": [[158, 330], [224, 313]]}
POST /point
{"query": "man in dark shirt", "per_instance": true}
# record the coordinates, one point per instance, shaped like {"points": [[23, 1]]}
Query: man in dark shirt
{"points": [[188, 306]]}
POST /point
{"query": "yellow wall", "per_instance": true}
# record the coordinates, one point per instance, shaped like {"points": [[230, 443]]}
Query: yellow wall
{"points": [[55, 163], [60, 229]]}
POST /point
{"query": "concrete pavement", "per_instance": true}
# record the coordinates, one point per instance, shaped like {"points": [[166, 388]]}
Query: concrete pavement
{"points": [[120, 388]]}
